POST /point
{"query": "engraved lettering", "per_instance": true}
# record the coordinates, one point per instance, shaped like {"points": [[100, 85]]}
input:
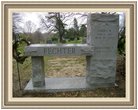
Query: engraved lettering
{"points": [[58, 51]]}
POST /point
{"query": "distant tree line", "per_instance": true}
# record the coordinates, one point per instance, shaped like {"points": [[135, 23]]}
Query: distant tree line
{"points": [[55, 24]]}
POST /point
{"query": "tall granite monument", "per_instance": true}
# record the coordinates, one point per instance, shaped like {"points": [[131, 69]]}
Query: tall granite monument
{"points": [[102, 34]]}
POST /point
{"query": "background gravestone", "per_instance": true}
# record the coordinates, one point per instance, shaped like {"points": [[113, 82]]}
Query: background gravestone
{"points": [[102, 33]]}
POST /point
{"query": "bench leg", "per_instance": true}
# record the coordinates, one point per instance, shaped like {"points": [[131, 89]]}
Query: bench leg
{"points": [[38, 75]]}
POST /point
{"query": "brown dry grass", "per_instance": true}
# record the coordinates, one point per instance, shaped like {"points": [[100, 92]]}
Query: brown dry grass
{"points": [[67, 66]]}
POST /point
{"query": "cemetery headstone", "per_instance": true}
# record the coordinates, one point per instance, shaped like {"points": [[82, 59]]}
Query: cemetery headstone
{"points": [[100, 51], [102, 33]]}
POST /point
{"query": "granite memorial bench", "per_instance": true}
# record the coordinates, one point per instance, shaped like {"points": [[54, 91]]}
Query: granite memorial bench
{"points": [[100, 51]]}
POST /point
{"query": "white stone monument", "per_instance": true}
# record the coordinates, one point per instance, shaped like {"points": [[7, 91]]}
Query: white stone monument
{"points": [[100, 52], [102, 34]]}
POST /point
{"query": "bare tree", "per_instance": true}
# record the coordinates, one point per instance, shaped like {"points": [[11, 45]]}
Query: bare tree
{"points": [[56, 22], [29, 27], [53, 22], [16, 21], [37, 37]]}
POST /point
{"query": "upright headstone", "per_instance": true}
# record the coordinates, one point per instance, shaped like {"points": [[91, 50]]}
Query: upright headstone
{"points": [[102, 33]]}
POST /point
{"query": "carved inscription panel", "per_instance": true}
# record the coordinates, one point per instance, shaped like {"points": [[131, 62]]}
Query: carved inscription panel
{"points": [[58, 50], [62, 51], [104, 35]]}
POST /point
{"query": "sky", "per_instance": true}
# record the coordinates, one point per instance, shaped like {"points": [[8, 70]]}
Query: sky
{"points": [[34, 17]]}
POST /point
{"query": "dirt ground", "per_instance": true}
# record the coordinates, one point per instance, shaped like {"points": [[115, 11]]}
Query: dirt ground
{"points": [[67, 67]]}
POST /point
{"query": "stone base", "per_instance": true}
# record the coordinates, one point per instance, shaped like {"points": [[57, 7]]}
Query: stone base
{"points": [[64, 84]]}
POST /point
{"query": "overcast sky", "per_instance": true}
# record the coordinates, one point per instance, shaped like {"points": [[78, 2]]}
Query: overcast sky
{"points": [[34, 17]]}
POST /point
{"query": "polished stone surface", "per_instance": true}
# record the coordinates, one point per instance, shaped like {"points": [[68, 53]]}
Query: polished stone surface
{"points": [[65, 84], [58, 50]]}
